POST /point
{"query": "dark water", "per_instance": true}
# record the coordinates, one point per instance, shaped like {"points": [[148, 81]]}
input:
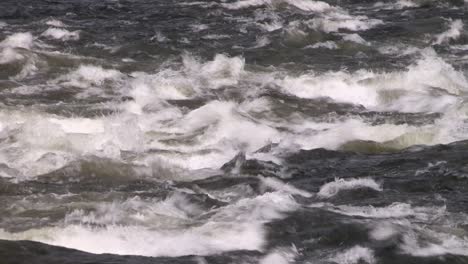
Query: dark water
{"points": [[255, 131]]}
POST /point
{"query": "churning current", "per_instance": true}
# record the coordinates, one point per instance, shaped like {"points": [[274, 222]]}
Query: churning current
{"points": [[234, 131]]}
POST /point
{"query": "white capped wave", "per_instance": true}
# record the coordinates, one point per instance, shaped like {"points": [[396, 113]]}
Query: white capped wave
{"points": [[399, 4], [23, 40], [61, 34], [280, 256], [394, 210], [55, 23], [89, 76], [340, 19], [214, 133], [413, 90], [355, 255], [278, 185], [355, 38], [137, 227], [442, 244], [221, 71], [453, 33], [305, 5], [211, 238], [327, 45], [333, 188]]}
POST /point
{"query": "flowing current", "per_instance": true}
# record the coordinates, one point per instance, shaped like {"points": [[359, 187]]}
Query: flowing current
{"points": [[234, 131]]}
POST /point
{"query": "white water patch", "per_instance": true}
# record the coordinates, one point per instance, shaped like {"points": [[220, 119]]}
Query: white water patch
{"points": [[55, 23], [305, 5], [219, 134], [340, 19], [61, 34], [333, 188], [149, 89], [428, 85], [280, 256], [355, 255], [326, 45], [355, 38], [278, 185], [17, 48], [224, 130], [394, 210], [399, 4], [138, 227], [441, 244], [262, 208], [211, 135], [383, 231], [268, 20], [262, 42], [453, 33], [8, 55], [159, 37], [18, 40], [338, 86], [88, 76], [211, 238], [171, 212], [222, 71]]}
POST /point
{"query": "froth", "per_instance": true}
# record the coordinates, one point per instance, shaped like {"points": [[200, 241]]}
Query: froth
{"points": [[208, 239], [333, 188], [222, 71], [138, 227], [454, 32], [354, 255], [18, 40], [428, 85], [62, 34]]}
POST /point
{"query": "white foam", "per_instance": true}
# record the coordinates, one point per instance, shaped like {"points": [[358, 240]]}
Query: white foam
{"points": [[55, 23], [355, 38], [394, 210], [446, 244], [339, 19], [216, 36], [61, 34], [308, 5], [137, 227], [339, 86], [18, 40], [406, 91], [159, 37], [89, 75], [8, 55], [383, 231], [454, 32], [305, 5], [171, 212], [327, 45], [400, 4], [222, 71], [213, 134], [333, 188], [262, 42], [354, 255], [280, 256], [208, 239], [263, 208], [278, 185]]}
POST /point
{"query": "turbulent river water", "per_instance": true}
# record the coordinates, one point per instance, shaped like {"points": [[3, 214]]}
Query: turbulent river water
{"points": [[234, 131]]}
